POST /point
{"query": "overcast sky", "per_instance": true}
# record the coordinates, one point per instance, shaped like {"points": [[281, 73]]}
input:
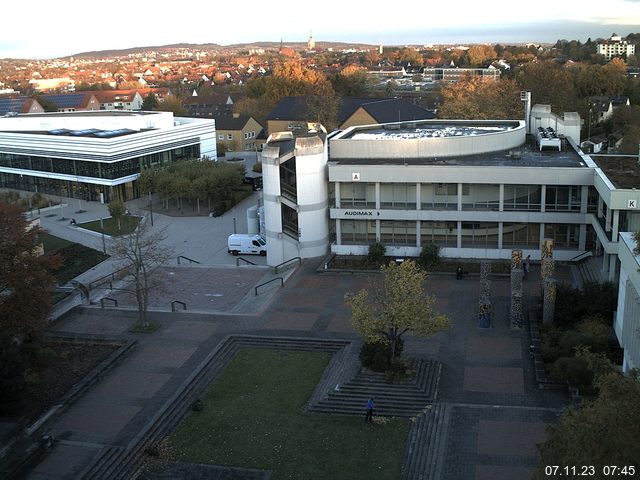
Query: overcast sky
{"points": [[48, 29]]}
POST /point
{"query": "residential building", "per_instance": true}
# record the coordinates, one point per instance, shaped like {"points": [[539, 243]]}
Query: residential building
{"points": [[615, 47], [96, 155], [22, 104], [238, 132], [64, 84], [209, 106], [73, 102], [294, 113], [601, 108], [119, 99]]}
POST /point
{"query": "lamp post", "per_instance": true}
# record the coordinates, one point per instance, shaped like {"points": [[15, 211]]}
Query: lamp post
{"points": [[590, 124], [151, 209]]}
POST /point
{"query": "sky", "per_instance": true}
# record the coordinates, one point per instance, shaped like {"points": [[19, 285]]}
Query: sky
{"points": [[48, 29]]}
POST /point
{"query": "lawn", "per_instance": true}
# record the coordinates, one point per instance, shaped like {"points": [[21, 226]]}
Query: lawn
{"points": [[253, 417], [76, 258], [128, 224]]}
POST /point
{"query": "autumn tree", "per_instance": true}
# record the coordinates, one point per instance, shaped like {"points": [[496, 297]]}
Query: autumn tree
{"points": [[480, 55], [397, 305], [549, 84], [25, 276], [150, 102], [602, 432], [172, 104], [141, 253], [351, 81], [116, 210], [478, 99]]}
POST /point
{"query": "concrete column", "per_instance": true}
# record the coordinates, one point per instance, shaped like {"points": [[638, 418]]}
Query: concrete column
{"points": [[418, 239], [543, 199], [378, 204], [616, 224], [459, 197], [501, 198], [584, 199], [605, 264], [338, 231], [500, 230], [613, 263], [378, 230], [418, 197], [541, 234], [582, 239], [459, 237], [337, 194], [600, 205], [607, 221]]}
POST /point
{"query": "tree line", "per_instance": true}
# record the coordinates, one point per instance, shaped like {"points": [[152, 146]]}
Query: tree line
{"points": [[219, 184]]}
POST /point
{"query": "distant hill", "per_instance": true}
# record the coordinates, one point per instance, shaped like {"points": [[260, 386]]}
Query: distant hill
{"points": [[214, 47]]}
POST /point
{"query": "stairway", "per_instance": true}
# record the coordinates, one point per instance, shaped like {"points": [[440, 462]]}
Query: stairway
{"points": [[589, 269], [426, 448], [402, 399]]}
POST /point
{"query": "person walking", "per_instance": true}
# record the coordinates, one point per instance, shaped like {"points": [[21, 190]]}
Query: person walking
{"points": [[370, 406], [526, 265]]}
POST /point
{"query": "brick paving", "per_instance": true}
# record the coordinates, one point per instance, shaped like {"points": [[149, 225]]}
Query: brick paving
{"points": [[497, 414]]}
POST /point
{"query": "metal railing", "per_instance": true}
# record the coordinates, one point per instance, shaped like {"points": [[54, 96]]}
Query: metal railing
{"points": [[286, 262], [581, 256], [173, 305], [248, 262], [106, 279], [187, 258], [115, 302], [267, 283]]}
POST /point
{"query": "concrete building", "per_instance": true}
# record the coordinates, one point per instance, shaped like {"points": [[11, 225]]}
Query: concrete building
{"points": [[615, 47], [295, 194], [96, 155], [627, 320]]}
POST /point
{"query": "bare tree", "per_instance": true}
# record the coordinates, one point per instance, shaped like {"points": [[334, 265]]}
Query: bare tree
{"points": [[142, 252]]}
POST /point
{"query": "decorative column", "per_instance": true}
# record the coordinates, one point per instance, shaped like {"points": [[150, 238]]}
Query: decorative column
{"points": [[484, 304], [515, 312], [548, 283]]}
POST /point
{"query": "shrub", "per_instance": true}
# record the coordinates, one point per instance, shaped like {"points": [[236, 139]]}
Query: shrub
{"points": [[376, 253], [429, 256], [574, 370], [594, 299], [377, 355], [12, 381], [398, 370]]}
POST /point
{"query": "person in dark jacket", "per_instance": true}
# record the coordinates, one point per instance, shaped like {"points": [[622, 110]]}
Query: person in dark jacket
{"points": [[370, 407]]}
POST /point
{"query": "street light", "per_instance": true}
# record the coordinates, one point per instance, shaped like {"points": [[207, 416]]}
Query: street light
{"points": [[151, 209], [590, 110]]}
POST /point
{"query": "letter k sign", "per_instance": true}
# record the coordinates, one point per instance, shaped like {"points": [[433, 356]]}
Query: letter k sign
{"points": [[632, 204]]}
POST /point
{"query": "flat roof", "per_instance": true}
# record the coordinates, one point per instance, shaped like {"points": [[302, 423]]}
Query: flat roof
{"points": [[91, 113], [527, 155], [623, 172], [428, 130]]}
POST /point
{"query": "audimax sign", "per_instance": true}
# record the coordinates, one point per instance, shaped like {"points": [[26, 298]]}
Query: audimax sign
{"points": [[361, 213]]}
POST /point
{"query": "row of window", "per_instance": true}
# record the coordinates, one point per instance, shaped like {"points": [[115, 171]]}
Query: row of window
{"points": [[247, 136], [445, 234], [83, 168], [444, 196]]}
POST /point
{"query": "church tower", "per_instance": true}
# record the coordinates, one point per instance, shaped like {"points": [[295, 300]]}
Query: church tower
{"points": [[311, 44]]}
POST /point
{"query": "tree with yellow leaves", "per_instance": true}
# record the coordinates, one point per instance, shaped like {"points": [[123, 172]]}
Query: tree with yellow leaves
{"points": [[398, 305]]}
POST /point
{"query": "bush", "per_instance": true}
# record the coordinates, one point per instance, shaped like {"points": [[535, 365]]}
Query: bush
{"points": [[12, 380], [574, 370], [376, 253], [429, 256], [398, 370], [594, 299], [377, 355]]}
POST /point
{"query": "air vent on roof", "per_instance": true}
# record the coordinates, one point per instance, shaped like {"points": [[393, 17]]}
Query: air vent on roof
{"points": [[515, 154]]}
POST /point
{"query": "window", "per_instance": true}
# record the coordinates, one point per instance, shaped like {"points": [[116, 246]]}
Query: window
{"points": [[480, 197], [523, 235], [229, 136], [440, 196], [289, 221], [357, 195], [564, 236], [400, 196], [480, 235], [358, 232], [522, 197], [563, 199], [443, 234], [221, 136], [398, 232]]}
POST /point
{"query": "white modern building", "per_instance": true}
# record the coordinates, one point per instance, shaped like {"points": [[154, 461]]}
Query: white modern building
{"points": [[295, 196], [627, 321], [96, 155], [615, 47]]}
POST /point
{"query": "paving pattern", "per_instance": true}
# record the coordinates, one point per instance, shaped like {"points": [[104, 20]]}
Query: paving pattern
{"points": [[486, 421]]}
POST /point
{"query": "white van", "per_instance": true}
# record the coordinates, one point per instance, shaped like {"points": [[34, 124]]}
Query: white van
{"points": [[244, 243]]}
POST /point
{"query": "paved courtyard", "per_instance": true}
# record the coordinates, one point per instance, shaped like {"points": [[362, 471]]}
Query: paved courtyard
{"points": [[498, 414]]}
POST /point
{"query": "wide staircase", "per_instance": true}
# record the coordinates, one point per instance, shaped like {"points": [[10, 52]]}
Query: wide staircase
{"points": [[406, 398], [426, 447], [589, 269]]}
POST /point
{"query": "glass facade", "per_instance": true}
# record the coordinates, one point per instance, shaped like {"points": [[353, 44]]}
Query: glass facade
{"points": [[481, 197], [358, 232], [565, 237], [443, 234], [480, 235], [563, 199], [400, 196], [521, 235], [358, 195], [398, 232], [439, 196], [523, 197], [85, 168]]}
